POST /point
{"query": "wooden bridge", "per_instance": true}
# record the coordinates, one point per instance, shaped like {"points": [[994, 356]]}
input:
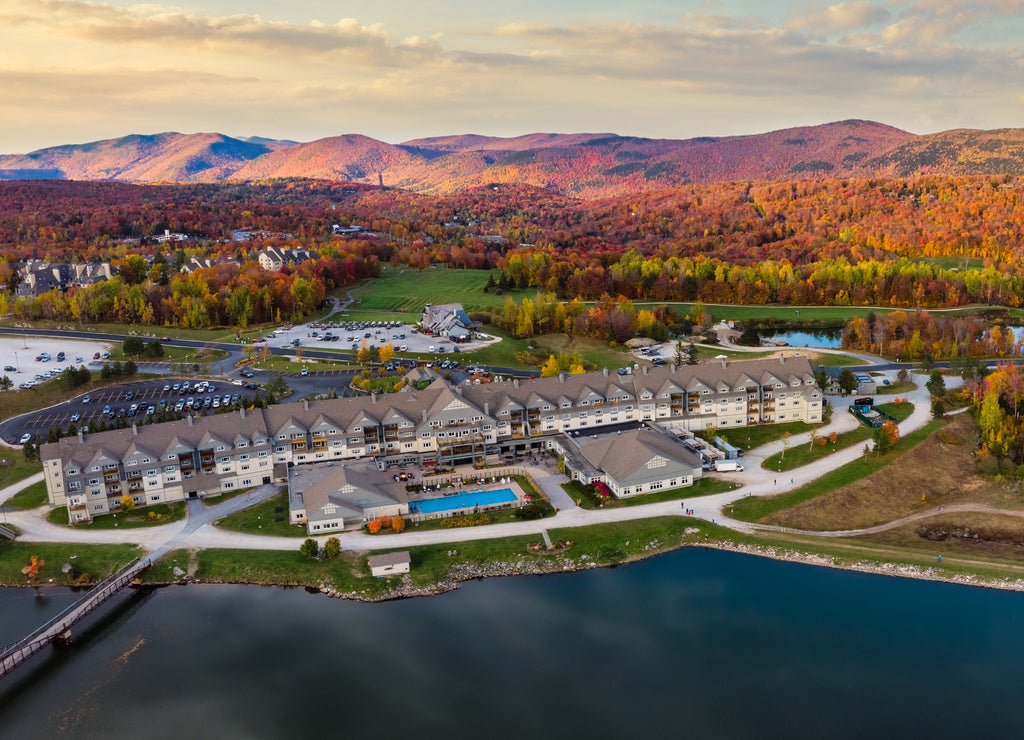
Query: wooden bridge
{"points": [[58, 629]]}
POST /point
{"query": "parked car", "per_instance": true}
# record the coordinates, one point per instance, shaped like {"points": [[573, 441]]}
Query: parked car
{"points": [[26, 437]]}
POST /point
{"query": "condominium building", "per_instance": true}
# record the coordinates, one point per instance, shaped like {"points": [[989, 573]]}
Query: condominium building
{"points": [[440, 425]]}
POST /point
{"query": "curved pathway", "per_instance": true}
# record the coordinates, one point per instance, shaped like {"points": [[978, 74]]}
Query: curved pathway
{"points": [[198, 530]]}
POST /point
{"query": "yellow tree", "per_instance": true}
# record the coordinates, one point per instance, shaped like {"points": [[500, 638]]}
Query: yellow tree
{"points": [[387, 352], [126, 503], [364, 354], [550, 368]]}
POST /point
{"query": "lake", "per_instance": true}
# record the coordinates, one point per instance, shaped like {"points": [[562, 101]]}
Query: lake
{"points": [[817, 339], [695, 643]]}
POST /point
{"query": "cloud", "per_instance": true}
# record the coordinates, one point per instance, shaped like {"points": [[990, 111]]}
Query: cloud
{"points": [[155, 26], [841, 18]]}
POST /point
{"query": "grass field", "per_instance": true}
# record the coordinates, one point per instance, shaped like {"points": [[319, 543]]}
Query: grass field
{"points": [[19, 469], [98, 561], [28, 498], [760, 508], [804, 453], [747, 438], [268, 517], [804, 313], [133, 519], [407, 290]]}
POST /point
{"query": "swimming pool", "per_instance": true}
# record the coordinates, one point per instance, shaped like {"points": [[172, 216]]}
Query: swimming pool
{"points": [[463, 500]]}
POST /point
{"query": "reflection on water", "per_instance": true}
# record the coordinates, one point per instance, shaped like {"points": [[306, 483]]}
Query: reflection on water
{"points": [[693, 644], [817, 339]]}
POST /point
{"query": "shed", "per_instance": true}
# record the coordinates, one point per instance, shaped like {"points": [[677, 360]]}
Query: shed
{"points": [[389, 564]]}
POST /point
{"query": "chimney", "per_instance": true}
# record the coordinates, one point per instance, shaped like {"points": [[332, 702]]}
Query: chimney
{"points": [[191, 420], [373, 397], [672, 368], [458, 389], [81, 436], [606, 372], [725, 364], [487, 408], [647, 369], [561, 377], [135, 429], [515, 382], [424, 414], [782, 359], [305, 404]]}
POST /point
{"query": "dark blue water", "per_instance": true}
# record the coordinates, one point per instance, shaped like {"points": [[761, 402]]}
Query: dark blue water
{"points": [[692, 644]]}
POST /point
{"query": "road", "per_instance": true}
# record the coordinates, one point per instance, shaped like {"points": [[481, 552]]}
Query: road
{"points": [[198, 531]]}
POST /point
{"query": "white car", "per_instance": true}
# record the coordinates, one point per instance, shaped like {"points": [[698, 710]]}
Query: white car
{"points": [[26, 437]]}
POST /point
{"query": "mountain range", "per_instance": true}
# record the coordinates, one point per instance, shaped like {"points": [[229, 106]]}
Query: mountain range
{"points": [[577, 165]]}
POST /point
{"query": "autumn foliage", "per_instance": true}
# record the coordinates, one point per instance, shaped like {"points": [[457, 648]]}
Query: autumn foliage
{"points": [[32, 569]]}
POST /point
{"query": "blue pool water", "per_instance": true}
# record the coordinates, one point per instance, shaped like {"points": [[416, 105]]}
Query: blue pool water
{"points": [[463, 500]]}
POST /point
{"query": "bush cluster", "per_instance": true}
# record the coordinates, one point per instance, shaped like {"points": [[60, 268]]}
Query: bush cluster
{"points": [[466, 520]]}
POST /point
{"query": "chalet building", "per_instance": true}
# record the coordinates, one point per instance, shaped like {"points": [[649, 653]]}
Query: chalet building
{"points": [[274, 258], [440, 425], [632, 462], [448, 320], [40, 276]]}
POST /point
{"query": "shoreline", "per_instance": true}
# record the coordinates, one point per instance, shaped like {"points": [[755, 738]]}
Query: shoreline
{"points": [[525, 566]]}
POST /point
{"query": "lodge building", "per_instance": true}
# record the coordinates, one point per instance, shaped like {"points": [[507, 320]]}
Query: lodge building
{"points": [[441, 425]]}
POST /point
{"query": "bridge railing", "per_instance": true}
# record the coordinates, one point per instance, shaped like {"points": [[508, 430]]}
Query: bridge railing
{"points": [[42, 635]]}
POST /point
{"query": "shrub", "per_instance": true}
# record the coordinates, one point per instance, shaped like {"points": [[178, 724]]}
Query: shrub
{"points": [[374, 526], [309, 548], [332, 547], [466, 520], [398, 524], [535, 510]]}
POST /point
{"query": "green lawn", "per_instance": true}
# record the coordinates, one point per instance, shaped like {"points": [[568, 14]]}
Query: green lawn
{"points": [[19, 469], [896, 388], [803, 453], [749, 438], [98, 561], [830, 360], [134, 519], [755, 508], [268, 517], [797, 313], [28, 498], [407, 290]]}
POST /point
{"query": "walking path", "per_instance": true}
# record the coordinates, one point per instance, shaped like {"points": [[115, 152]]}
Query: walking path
{"points": [[198, 530]]}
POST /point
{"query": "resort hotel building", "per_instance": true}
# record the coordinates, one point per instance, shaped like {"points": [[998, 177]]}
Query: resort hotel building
{"points": [[354, 441]]}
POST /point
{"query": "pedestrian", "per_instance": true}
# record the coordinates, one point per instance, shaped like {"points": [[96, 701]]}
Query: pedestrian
{"points": [[791, 481], [775, 481]]}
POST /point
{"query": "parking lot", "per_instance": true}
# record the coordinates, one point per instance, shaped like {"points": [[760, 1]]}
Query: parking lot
{"points": [[350, 336], [116, 403], [23, 357]]}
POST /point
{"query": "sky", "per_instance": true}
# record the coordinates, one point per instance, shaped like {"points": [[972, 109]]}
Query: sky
{"points": [[73, 71]]}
